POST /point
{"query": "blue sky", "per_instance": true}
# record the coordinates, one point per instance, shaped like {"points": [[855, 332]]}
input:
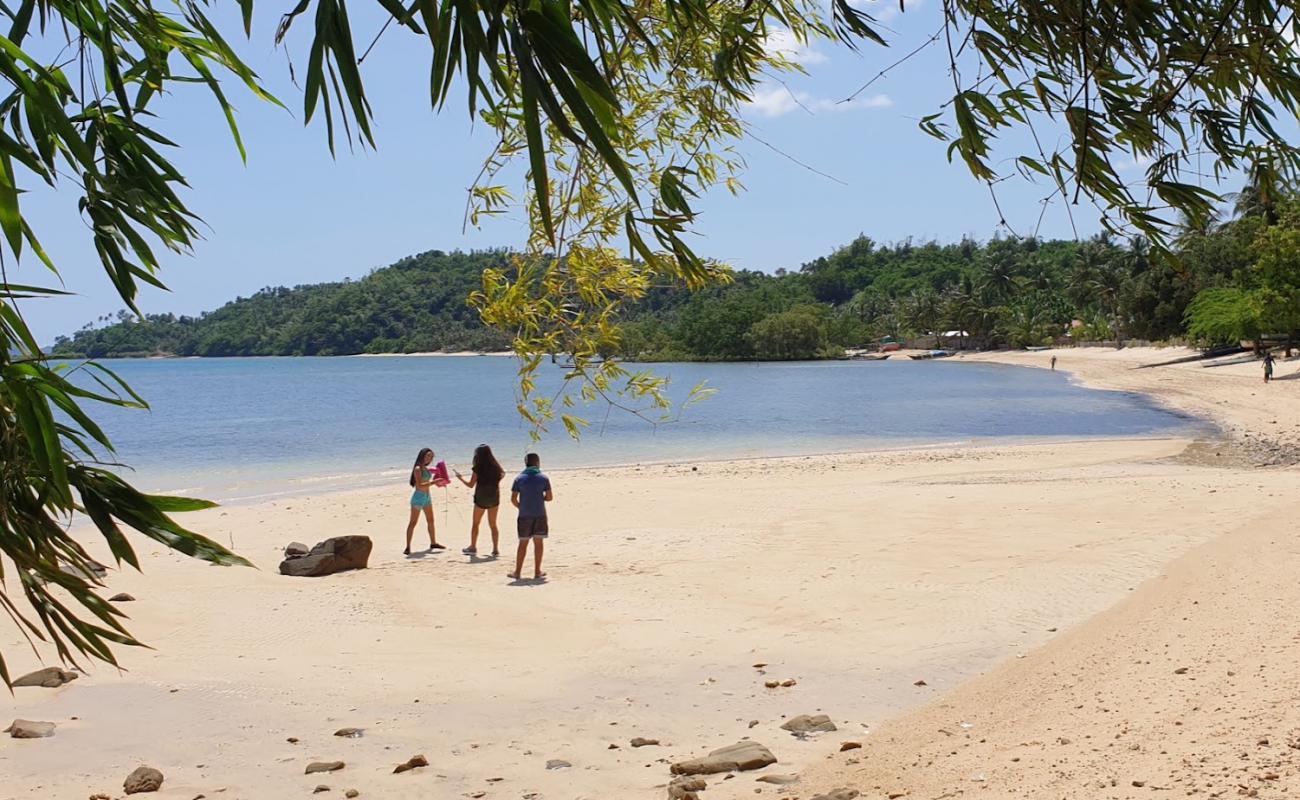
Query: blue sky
{"points": [[294, 215]]}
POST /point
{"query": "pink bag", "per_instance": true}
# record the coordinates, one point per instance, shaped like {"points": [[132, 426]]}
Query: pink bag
{"points": [[440, 476]]}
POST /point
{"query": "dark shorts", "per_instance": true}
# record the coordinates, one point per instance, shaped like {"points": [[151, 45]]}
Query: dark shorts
{"points": [[533, 528], [487, 500]]}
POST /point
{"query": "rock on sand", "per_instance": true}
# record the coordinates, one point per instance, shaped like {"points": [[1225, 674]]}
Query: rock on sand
{"points": [[29, 729], [50, 678], [686, 788], [143, 779], [338, 554], [809, 723], [410, 764], [739, 756]]}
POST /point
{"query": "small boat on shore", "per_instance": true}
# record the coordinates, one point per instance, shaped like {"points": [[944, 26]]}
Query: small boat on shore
{"points": [[870, 357], [1038, 348], [929, 354], [1227, 362]]}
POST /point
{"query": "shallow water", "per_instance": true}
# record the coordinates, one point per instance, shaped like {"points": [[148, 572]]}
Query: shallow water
{"points": [[240, 429]]}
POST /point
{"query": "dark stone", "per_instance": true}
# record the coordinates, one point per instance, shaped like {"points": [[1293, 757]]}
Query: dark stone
{"points": [[323, 766], [411, 763], [338, 554]]}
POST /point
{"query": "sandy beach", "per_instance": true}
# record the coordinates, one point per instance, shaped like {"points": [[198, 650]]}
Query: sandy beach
{"points": [[1069, 619]]}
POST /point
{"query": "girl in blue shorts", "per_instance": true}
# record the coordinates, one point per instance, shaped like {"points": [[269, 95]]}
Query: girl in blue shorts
{"points": [[422, 479]]}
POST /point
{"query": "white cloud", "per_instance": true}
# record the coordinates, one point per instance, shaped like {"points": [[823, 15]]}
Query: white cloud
{"points": [[867, 101], [1139, 162], [776, 101], [782, 41]]}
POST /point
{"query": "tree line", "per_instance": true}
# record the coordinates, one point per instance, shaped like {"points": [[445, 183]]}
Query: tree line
{"points": [[1228, 280]]}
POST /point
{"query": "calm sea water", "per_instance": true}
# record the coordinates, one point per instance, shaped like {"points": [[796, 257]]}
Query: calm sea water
{"points": [[240, 429]]}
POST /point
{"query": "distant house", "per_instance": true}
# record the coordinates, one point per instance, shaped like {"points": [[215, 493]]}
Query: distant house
{"points": [[954, 340]]}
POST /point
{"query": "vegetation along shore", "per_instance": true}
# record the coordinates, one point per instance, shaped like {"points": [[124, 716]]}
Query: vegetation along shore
{"points": [[1233, 280]]}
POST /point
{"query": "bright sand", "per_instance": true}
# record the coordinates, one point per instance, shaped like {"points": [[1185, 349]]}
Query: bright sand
{"points": [[1075, 577]]}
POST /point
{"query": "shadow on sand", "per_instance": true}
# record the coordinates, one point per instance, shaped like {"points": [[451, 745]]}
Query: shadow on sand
{"points": [[527, 581]]}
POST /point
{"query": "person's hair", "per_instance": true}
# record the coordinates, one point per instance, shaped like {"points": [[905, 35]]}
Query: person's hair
{"points": [[532, 460], [486, 465], [419, 461]]}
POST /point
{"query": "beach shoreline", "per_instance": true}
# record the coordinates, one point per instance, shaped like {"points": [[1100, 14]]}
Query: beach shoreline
{"points": [[670, 581]]}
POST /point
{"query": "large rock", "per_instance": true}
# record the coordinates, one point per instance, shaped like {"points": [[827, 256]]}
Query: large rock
{"points": [[29, 729], [143, 779], [742, 756], [338, 554], [50, 678], [809, 723]]}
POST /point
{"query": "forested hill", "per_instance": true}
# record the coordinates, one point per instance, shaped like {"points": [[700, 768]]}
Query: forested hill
{"points": [[415, 305], [1004, 292]]}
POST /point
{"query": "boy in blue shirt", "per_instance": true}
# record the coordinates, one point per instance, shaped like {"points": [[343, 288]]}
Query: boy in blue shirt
{"points": [[530, 493]]}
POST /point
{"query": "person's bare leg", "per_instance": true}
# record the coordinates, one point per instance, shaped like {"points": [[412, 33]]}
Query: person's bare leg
{"points": [[433, 534], [519, 558], [410, 528], [496, 534], [473, 529], [537, 559]]}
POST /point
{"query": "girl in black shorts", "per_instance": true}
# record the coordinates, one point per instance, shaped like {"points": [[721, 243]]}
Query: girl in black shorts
{"points": [[485, 480]]}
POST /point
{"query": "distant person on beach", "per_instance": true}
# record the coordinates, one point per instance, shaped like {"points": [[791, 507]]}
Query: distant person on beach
{"points": [[530, 493], [1268, 366], [1053, 363], [485, 479], [422, 479]]}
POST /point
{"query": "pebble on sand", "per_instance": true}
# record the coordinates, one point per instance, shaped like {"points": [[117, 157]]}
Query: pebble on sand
{"points": [[121, 597], [838, 794], [143, 779], [324, 766], [637, 741], [850, 746], [350, 733], [558, 763], [352, 793], [411, 763], [686, 788]]}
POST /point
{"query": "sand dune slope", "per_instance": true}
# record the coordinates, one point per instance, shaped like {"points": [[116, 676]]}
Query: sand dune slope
{"points": [[1188, 688]]}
